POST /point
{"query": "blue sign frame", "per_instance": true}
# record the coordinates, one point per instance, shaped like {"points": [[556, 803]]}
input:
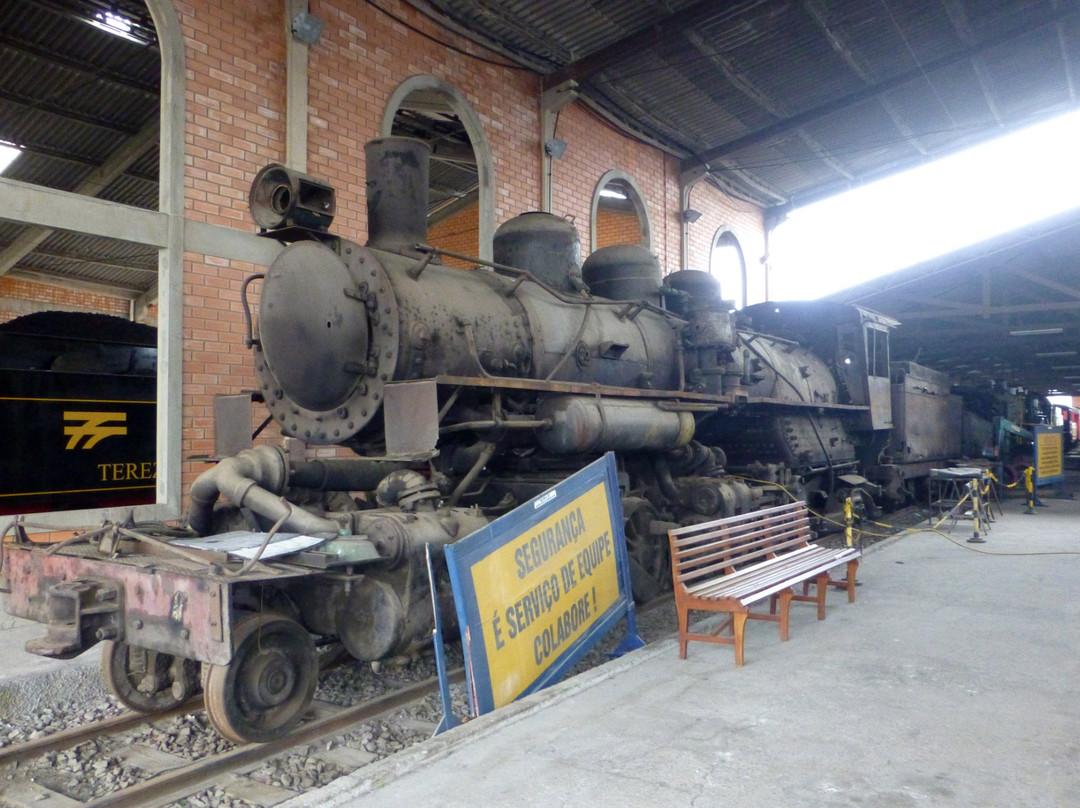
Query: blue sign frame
{"points": [[464, 555], [1041, 431]]}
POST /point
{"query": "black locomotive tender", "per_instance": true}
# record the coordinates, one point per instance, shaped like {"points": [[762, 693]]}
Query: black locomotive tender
{"points": [[462, 394], [88, 385]]}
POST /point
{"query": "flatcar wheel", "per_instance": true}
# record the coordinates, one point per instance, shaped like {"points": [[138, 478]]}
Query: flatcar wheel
{"points": [[650, 564], [263, 692], [147, 681]]}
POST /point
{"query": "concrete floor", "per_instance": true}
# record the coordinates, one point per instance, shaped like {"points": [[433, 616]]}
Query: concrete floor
{"points": [[953, 680], [29, 682]]}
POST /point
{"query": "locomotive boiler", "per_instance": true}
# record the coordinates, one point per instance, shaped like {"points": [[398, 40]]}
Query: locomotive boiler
{"points": [[460, 394]]}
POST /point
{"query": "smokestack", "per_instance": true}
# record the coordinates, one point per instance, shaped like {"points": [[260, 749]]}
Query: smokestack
{"points": [[397, 192]]}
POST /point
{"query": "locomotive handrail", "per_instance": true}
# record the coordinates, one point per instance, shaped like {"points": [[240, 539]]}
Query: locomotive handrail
{"points": [[465, 426], [686, 406], [249, 339], [526, 275]]}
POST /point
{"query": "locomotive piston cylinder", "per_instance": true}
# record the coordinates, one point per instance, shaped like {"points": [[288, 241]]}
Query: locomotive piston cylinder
{"points": [[388, 611]]}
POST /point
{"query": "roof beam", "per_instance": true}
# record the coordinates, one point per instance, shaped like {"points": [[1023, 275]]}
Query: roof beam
{"points": [[1064, 289], [957, 15], [56, 109], [130, 151], [1033, 22], [972, 310], [112, 262], [648, 38], [1070, 79], [864, 72], [759, 97], [93, 287], [87, 69]]}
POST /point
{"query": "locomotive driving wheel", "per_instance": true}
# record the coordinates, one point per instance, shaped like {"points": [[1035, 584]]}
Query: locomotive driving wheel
{"points": [[147, 681], [263, 692], [650, 562]]}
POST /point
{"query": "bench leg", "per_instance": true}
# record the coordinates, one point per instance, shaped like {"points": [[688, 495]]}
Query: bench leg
{"points": [[785, 613], [684, 622], [822, 585], [739, 629], [852, 566]]}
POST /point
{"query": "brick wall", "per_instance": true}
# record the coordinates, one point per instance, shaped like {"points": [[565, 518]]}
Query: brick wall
{"points": [[594, 147], [459, 233], [19, 297], [235, 124], [616, 227], [722, 212]]}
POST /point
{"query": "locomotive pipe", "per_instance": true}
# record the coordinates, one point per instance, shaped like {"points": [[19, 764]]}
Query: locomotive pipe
{"points": [[247, 481], [486, 453], [342, 474]]}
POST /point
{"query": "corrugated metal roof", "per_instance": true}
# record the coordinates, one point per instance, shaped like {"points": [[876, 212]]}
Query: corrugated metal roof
{"points": [[71, 96], [781, 102], [992, 311], [787, 102]]}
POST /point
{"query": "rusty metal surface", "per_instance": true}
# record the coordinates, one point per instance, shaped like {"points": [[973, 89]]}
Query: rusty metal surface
{"points": [[169, 605], [412, 424], [926, 416]]}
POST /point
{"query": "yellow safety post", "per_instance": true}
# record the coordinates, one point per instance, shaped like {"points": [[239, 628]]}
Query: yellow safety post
{"points": [[848, 518], [976, 512], [1029, 483], [988, 496]]}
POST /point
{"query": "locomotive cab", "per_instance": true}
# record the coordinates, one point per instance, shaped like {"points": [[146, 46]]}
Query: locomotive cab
{"points": [[855, 339]]}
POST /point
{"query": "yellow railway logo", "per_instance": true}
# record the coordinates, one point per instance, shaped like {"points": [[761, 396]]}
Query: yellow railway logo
{"points": [[94, 426]]}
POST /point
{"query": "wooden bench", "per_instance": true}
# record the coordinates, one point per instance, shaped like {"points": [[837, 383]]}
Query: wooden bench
{"points": [[729, 564]]}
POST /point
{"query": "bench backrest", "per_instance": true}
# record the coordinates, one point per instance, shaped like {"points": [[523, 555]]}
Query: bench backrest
{"points": [[712, 549]]}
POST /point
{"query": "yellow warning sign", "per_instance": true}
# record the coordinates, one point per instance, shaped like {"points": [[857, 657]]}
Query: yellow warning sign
{"points": [[543, 589], [1049, 455]]}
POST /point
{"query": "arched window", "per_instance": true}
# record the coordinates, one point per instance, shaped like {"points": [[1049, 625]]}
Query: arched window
{"points": [[94, 196], [619, 215], [726, 264], [461, 210]]}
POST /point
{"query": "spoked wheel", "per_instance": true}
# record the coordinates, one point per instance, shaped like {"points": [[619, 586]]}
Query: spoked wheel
{"points": [[650, 562], [148, 681], [264, 691]]}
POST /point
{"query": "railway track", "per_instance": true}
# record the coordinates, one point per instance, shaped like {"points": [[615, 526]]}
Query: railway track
{"points": [[179, 779], [233, 775]]}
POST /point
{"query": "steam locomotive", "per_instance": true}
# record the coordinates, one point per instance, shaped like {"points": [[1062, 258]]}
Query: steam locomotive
{"points": [[460, 394]]}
